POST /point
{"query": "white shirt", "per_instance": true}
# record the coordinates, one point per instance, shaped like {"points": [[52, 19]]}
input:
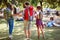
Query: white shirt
{"points": [[37, 12]]}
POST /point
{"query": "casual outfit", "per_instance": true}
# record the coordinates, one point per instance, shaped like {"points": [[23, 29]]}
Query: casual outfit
{"points": [[39, 21], [9, 18], [28, 12], [50, 24]]}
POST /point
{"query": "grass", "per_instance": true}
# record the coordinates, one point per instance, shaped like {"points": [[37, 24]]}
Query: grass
{"points": [[52, 33], [58, 8]]}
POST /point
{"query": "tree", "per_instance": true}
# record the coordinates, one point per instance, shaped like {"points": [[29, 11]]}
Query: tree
{"points": [[53, 3]]}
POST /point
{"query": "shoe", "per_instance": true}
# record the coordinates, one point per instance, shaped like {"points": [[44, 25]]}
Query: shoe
{"points": [[10, 37], [27, 39]]}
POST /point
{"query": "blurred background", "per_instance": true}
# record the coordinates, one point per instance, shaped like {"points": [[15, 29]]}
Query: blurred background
{"points": [[51, 8]]}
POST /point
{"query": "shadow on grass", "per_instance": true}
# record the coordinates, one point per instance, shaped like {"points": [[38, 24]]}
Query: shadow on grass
{"points": [[18, 33], [2, 21]]}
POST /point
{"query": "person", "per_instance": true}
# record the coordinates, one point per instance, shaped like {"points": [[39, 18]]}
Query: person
{"points": [[57, 19], [39, 23], [48, 13], [28, 17], [50, 23], [57, 13], [8, 15]]}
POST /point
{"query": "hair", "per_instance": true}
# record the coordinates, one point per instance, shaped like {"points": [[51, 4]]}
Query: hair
{"points": [[9, 5], [57, 13], [40, 15], [51, 18], [27, 3], [24, 6], [15, 10], [39, 7]]}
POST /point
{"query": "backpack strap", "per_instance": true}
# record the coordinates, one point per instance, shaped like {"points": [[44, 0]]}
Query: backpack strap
{"points": [[30, 17], [28, 12]]}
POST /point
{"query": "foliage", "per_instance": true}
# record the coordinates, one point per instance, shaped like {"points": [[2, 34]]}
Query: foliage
{"points": [[51, 3]]}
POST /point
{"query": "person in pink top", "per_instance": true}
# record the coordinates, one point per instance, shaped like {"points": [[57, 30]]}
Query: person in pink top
{"points": [[39, 23]]}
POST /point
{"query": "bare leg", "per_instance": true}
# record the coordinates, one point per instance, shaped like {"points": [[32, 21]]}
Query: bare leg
{"points": [[38, 33], [42, 31], [29, 32], [25, 32], [25, 26]]}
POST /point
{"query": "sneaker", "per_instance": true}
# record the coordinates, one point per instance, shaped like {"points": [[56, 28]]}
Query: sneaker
{"points": [[27, 39], [10, 37]]}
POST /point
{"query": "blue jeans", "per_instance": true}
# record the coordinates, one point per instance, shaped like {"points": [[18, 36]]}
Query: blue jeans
{"points": [[11, 25]]}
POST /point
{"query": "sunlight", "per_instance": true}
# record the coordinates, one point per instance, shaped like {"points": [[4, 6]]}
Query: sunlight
{"points": [[18, 33], [3, 37], [2, 26], [51, 30]]}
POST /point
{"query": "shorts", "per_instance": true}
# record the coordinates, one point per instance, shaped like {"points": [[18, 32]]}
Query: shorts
{"points": [[27, 24], [39, 23]]}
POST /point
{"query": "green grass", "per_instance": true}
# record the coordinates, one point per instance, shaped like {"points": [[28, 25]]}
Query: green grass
{"points": [[52, 33], [58, 8]]}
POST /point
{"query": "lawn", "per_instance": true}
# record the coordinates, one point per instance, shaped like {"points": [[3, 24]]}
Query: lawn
{"points": [[52, 33]]}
